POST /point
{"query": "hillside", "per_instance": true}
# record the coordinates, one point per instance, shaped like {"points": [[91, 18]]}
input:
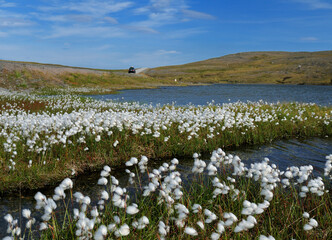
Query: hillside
{"points": [[255, 67], [250, 67], [31, 76]]}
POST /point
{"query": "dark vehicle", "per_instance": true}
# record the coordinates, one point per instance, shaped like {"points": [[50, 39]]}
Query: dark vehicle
{"points": [[131, 70]]}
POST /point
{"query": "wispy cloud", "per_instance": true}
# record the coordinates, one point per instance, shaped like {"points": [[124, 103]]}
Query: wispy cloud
{"points": [[110, 20], [184, 33], [153, 59], [8, 48], [103, 47], [14, 22], [197, 15], [164, 52], [140, 29], [93, 7], [166, 12], [309, 39], [81, 18], [75, 18], [3, 34], [82, 31], [5, 4], [315, 4]]}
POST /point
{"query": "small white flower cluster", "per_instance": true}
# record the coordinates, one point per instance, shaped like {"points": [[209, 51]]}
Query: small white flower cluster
{"points": [[13, 229], [165, 183], [163, 230], [48, 205], [315, 186], [80, 90], [26, 213], [141, 223], [328, 167], [245, 225], [190, 231], [268, 176], [231, 219], [301, 173], [216, 159], [220, 188], [311, 224], [252, 208], [182, 215], [263, 237], [199, 165], [196, 208], [103, 175], [220, 229], [75, 121], [210, 216]]}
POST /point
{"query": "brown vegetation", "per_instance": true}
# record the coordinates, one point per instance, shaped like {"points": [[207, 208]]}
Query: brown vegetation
{"points": [[250, 67], [255, 67]]}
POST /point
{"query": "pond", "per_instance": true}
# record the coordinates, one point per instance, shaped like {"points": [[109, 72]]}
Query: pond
{"points": [[225, 93], [283, 153]]}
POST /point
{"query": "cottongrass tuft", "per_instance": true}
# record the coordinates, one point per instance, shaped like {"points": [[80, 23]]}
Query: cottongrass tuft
{"points": [[173, 208]]}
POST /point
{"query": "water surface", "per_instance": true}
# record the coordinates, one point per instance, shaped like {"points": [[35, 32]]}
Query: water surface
{"points": [[225, 93]]}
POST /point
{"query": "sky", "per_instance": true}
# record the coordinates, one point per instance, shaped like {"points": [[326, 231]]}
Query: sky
{"points": [[117, 34]]}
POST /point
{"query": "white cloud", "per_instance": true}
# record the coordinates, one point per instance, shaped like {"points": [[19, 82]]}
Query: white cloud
{"points": [[85, 31], [197, 15], [93, 7], [3, 34], [184, 33], [74, 18], [153, 59], [141, 29], [4, 4], [165, 12], [163, 52], [111, 20], [99, 7], [82, 18], [309, 39], [315, 4], [14, 22], [103, 47], [7, 48]]}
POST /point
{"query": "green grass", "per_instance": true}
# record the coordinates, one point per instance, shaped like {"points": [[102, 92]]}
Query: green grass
{"points": [[254, 67], [47, 170], [282, 219]]}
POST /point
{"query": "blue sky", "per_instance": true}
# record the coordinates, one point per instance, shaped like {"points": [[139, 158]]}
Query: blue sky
{"points": [[116, 34]]}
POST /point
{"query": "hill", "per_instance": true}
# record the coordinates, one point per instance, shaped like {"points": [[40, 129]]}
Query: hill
{"points": [[17, 75], [255, 67], [249, 67]]}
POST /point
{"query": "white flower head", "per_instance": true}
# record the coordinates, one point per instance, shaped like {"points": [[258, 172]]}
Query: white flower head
{"points": [[190, 231], [26, 213]]}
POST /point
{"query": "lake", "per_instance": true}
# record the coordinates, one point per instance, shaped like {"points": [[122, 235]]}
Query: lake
{"points": [[225, 93]]}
